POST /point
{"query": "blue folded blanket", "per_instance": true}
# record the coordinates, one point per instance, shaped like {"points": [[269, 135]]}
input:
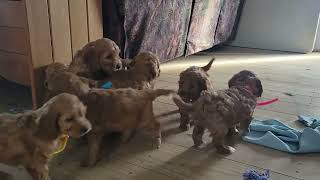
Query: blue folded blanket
{"points": [[309, 121], [274, 134]]}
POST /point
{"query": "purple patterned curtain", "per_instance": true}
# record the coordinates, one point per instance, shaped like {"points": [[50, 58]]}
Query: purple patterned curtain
{"points": [[169, 28], [159, 26], [203, 25]]}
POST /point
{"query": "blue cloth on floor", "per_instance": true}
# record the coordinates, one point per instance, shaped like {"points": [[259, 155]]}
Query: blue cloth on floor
{"points": [[107, 85], [309, 121], [274, 134]]}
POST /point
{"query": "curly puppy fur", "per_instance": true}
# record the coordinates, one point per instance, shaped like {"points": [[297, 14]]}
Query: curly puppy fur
{"points": [[192, 82], [120, 110], [97, 59], [220, 111], [141, 74], [60, 80], [30, 138]]}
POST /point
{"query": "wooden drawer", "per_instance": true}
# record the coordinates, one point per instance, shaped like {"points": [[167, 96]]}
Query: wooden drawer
{"points": [[12, 13], [13, 40], [15, 67]]}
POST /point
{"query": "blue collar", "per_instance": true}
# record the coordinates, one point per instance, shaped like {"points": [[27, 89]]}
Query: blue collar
{"points": [[106, 85]]}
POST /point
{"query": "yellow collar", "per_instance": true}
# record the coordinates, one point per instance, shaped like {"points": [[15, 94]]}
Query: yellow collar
{"points": [[63, 140]]}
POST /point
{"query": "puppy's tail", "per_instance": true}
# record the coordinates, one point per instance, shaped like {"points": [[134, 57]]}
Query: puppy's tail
{"points": [[208, 66], [181, 104], [160, 92]]}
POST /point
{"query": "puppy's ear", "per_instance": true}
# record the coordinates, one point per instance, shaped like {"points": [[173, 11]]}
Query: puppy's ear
{"points": [[157, 62], [27, 120], [48, 127], [90, 56], [208, 66], [259, 88], [203, 85], [116, 47], [233, 80], [153, 72], [132, 63]]}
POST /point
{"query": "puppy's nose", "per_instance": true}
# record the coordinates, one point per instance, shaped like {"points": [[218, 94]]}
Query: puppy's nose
{"points": [[84, 130]]}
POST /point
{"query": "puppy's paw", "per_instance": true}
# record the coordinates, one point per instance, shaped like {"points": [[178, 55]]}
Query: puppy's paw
{"points": [[198, 143], [43, 177], [47, 177], [231, 149], [200, 146], [233, 132], [157, 143], [225, 149]]}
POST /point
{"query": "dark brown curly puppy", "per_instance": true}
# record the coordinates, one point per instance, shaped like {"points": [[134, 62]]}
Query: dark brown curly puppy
{"points": [[60, 80], [141, 74], [30, 139], [220, 111], [240, 77], [120, 110], [192, 82], [97, 60]]}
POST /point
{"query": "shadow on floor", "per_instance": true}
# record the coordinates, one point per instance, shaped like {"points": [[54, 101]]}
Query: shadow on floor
{"points": [[14, 98]]}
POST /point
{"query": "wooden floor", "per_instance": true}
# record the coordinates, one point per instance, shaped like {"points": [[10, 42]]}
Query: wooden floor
{"points": [[293, 78]]}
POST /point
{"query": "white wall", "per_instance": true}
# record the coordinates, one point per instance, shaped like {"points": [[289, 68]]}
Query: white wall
{"points": [[317, 44], [285, 25]]}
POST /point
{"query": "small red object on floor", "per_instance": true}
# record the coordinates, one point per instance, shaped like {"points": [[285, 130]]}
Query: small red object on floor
{"points": [[263, 103]]}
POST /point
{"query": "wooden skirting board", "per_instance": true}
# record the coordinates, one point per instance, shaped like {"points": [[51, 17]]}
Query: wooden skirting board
{"points": [[35, 33]]}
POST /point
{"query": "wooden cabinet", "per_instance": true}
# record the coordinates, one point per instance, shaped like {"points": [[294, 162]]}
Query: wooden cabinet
{"points": [[35, 33], [14, 46]]}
